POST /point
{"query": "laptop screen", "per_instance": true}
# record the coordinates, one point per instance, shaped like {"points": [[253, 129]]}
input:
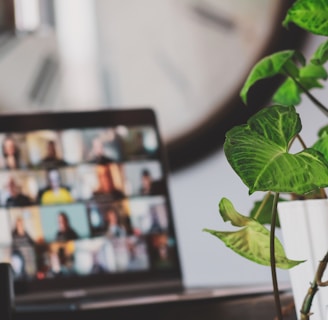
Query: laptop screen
{"points": [[84, 200]]}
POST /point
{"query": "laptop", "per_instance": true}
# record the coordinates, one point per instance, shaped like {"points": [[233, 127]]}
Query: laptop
{"points": [[85, 213], [84, 206]]}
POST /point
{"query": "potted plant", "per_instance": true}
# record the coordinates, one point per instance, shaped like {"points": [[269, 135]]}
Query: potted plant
{"points": [[269, 155]]}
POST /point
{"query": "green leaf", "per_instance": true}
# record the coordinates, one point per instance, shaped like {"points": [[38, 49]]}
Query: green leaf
{"points": [[313, 71], [323, 131], [309, 83], [322, 143], [258, 152], [252, 241], [290, 69], [311, 15], [288, 93], [266, 68], [321, 54]]}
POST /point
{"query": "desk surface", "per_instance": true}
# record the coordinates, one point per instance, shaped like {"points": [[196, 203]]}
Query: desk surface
{"points": [[247, 307]]}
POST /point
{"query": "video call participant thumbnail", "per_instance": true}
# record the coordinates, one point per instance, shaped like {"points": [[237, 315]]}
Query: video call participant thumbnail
{"points": [[10, 152], [16, 198], [106, 188], [61, 223], [51, 159], [54, 192], [65, 230]]}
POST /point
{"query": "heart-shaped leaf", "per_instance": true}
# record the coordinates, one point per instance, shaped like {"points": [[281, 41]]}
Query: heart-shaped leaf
{"points": [[266, 68], [258, 152], [252, 241], [311, 15]]}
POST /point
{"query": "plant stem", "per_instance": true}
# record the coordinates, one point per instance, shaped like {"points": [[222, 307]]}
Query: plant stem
{"points": [[264, 201], [308, 94], [301, 141], [273, 258], [307, 302], [323, 193], [313, 99]]}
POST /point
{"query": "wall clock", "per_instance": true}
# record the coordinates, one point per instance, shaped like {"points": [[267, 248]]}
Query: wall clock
{"points": [[188, 60]]}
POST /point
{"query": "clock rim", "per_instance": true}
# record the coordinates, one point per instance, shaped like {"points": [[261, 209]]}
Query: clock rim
{"points": [[208, 135]]}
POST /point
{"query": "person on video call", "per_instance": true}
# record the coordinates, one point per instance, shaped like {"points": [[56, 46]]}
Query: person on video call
{"points": [[146, 182], [149, 185], [106, 184], [20, 235], [51, 160], [115, 227], [55, 192], [18, 264], [97, 154], [16, 198], [138, 148], [10, 152], [156, 225], [65, 231], [65, 263]]}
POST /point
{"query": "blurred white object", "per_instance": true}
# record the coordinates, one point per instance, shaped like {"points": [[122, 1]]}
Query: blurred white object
{"points": [[304, 230]]}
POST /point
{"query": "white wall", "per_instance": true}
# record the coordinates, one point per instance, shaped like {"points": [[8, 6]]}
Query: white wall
{"points": [[196, 192]]}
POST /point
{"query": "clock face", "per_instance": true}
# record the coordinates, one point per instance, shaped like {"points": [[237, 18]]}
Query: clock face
{"points": [[187, 59], [183, 57]]}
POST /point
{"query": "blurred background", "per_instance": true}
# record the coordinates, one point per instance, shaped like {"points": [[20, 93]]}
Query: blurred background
{"points": [[187, 59]]}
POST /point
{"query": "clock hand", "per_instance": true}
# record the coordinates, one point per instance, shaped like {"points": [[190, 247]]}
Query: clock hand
{"points": [[207, 13], [172, 71]]}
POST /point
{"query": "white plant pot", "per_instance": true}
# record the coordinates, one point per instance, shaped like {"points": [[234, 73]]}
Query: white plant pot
{"points": [[304, 227]]}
